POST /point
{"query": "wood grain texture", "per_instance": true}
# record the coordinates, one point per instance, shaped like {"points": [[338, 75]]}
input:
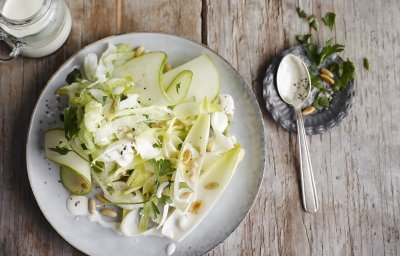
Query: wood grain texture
{"points": [[356, 165]]}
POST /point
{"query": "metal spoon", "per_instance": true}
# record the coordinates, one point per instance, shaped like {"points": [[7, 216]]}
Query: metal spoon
{"points": [[294, 86]]}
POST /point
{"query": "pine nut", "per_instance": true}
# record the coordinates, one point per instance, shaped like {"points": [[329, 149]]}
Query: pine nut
{"points": [[92, 205], [186, 195], [139, 51], [101, 198], [196, 206], [211, 185], [326, 72], [198, 149], [156, 125], [179, 124], [167, 67], [308, 110], [186, 156], [327, 79], [108, 212], [210, 145]]}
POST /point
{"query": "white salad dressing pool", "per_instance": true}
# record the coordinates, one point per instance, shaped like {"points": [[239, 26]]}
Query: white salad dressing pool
{"points": [[95, 217], [170, 249], [227, 104], [77, 205]]}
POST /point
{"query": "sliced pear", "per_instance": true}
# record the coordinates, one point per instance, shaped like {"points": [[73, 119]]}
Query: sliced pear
{"points": [[212, 184], [190, 161], [75, 171], [146, 72], [194, 108], [179, 87], [205, 80], [74, 182]]}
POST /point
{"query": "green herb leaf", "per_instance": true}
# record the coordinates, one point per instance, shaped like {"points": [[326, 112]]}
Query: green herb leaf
{"points": [[71, 125], [366, 63], [178, 87], [163, 167], [332, 66], [62, 150], [312, 52], [314, 23], [315, 104], [316, 82], [329, 19], [301, 13], [165, 199], [154, 208], [74, 76], [184, 185], [323, 101], [303, 38], [346, 74], [329, 50]]}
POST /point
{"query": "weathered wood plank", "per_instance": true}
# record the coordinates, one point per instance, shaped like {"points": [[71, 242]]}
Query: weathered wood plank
{"points": [[182, 18]]}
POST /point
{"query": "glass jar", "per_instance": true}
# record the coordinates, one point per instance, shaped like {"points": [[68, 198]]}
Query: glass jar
{"points": [[34, 28]]}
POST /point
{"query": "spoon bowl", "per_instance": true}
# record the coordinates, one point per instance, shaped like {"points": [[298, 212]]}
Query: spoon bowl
{"points": [[294, 87]]}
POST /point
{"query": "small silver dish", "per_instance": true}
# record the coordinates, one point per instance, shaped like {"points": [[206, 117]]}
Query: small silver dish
{"points": [[284, 115]]}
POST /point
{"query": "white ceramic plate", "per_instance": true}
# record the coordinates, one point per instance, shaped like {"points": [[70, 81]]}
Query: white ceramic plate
{"points": [[94, 239]]}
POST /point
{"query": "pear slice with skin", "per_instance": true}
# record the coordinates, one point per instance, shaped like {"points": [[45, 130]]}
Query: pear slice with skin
{"points": [[146, 71], [74, 182], [205, 80], [75, 171], [179, 87]]}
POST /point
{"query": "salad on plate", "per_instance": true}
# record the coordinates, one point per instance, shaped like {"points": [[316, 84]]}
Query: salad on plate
{"points": [[145, 149]]}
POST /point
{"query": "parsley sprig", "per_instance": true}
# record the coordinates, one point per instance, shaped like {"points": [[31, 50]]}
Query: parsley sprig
{"points": [[344, 71], [163, 167], [71, 125]]}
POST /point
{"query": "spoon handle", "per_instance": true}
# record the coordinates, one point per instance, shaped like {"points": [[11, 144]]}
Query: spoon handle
{"points": [[310, 200]]}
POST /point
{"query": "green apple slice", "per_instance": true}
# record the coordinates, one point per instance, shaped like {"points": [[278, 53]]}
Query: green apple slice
{"points": [[179, 87], [75, 171], [212, 184], [146, 71], [205, 80]]}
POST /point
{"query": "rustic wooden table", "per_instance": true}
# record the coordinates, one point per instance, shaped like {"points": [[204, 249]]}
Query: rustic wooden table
{"points": [[357, 165]]}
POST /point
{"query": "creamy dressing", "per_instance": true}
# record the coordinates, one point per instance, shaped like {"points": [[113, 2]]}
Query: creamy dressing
{"points": [[57, 19], [120, 152], [77, 205], [170, 249], [227, 104], [95, 217], [20, 9], [219, 121]]}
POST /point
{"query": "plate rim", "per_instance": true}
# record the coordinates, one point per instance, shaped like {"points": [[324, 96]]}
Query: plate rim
{"points": [[243, 82]]}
